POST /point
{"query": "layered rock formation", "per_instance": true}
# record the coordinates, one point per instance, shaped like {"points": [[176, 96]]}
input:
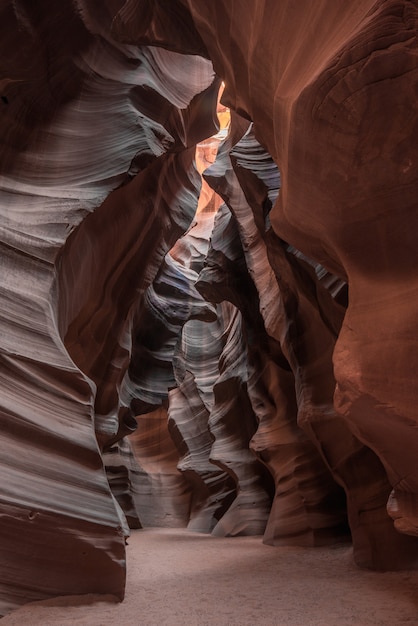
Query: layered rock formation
{"points": [[98, 182], [264, 363], [344, 168]]}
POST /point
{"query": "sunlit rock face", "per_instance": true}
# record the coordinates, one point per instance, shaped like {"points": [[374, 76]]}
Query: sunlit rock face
{"points": [[248, 368]]}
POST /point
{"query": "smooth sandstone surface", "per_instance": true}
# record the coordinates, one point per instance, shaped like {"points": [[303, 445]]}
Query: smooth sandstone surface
{"points": [[209, 330]]}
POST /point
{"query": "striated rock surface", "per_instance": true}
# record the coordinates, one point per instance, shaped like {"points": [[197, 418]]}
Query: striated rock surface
{"points": [[264, 363], [213, 489], [161, 494], [308, 507], [308, 318], [90, 129], [348, 166]]}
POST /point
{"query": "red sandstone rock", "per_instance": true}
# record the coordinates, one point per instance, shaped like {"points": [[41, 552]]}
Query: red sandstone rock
{"points": [[334, 106], [162, 496], [101, 109], [82, 118], [212, 488]]}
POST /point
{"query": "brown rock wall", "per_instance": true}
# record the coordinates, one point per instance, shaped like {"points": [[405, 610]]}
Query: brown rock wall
{"points": [[290, 338]]}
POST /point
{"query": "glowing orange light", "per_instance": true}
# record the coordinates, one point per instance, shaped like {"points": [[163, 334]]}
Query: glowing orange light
{"points": [[224, 115]]}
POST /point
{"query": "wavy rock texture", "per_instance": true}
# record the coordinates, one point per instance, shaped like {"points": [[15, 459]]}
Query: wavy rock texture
{"points": [[90, 128], [212, 489], [348, 168], [308, 317], [213, 422], [180, 326], [286, 344], [161, 494], [308, 506]]}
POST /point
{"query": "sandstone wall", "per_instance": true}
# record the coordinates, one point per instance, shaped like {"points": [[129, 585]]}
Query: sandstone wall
{"points": [[261, 353]]}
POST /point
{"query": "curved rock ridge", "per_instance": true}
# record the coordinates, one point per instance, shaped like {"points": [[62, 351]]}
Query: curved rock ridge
{"points": [[212, 429], [212, 489], [294, 521], [184, 324], [232, 423], [348, 167], [161, 494], [169, 302], [90, 129], [264, 362], [184, 330]]}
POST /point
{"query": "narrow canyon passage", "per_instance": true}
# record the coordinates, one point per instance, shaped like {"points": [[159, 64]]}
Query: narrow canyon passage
{"points": [[208, 312], [180, 578]]}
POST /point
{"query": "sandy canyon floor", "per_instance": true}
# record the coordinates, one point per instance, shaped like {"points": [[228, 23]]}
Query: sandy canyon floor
{"points": [[176, 577]]}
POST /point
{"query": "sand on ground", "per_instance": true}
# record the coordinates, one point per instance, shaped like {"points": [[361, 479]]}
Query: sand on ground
{"points": [[181, 578]]}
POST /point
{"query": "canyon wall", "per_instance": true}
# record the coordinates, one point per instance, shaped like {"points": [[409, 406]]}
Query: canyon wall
{"points": [[235, 354]]}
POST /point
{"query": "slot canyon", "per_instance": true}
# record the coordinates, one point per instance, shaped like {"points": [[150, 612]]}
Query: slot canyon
{"points": [[208, 285]]}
